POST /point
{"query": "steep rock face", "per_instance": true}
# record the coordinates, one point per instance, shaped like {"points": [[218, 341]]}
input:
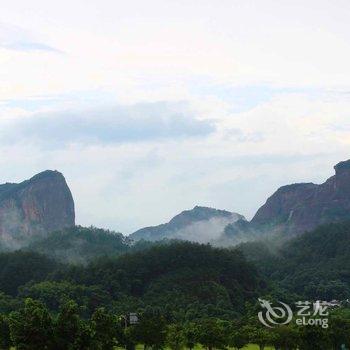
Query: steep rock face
{"points": [[200, 224], [302, 207], [34, 208]]}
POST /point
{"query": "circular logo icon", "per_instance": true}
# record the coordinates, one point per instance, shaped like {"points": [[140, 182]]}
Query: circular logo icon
{"points": [[273, 316]]}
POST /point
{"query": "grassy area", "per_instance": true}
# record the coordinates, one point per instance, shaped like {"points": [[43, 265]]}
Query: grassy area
{"points": [[255, 347], [198, 347]]}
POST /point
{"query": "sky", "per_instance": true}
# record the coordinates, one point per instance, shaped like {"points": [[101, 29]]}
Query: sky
{"points": [[152, 107]]}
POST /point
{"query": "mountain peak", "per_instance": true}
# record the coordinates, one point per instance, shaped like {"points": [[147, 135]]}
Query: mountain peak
{"points": [[35, 207], [198, 213], [302, 207], [342, 167], [200, 224], [47, 173]]}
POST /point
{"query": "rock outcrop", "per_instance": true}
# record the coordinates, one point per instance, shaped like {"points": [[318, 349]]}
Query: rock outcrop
{"points": [[34, 208], [200, 224], [302, 207]]}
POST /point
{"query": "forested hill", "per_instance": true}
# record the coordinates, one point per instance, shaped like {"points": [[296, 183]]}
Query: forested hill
{"points": [[176, 276], [80, 245], [200, 224], [182, 279], [187, 279], [316, 265]]}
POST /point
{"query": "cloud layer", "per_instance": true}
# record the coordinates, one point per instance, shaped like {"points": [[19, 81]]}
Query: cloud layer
{"points": [[137, 123], [254, 95], [16, 38]]}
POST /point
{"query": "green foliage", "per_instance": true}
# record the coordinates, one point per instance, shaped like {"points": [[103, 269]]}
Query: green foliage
{"points": [[186, 281], [339, 328], [185, 293], [31, 327], [83, 340], [314, 266], [181, 276], [67, 326], [80, 245], [238, 336], [176, 338], [5, 339], [261, 336], [212, 334], [285, 337], [53, 294], [20, 267], [124, 334], [151, 330], [238, 340], [103, 328], [313, 338], [8, 303], [191, 334]]}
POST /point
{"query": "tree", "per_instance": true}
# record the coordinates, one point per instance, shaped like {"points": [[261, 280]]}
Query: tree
{"points": [[128, 340], [150, 331], [53, 293], [338, 331], [175, 338], [191, 335], [260, 336], [211, 334], [103, 326], [5, 340], [285, 338], [31, 328], [67, 326], [19, 267], [124, 334], [83, 340], [8, 303], [313, 338], [239, 339]]}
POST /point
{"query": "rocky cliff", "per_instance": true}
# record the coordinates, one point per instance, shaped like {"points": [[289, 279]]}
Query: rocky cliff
{"points": [[34, 208], [200, 224], [302, 207]]}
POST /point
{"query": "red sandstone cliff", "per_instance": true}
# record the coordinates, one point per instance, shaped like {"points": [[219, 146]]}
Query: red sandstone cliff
{"points": [[34, 208], [302, 207]]}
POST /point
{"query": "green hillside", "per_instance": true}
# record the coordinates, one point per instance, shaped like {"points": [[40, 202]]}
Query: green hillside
{"points": [[315, 265], [184, 280], [80, 245]]}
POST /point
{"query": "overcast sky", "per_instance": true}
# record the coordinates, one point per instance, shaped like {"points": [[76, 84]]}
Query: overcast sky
{"points": [[152, 107]]}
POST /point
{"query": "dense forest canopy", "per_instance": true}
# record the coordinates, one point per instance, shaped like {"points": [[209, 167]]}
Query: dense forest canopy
{"points": [[315, 265], [180, 276], [194, 292]]}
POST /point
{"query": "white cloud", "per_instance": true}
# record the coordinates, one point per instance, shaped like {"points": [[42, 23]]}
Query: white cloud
{"points": [[265, 86], [136, 123], [127, 185], [152, 52]]}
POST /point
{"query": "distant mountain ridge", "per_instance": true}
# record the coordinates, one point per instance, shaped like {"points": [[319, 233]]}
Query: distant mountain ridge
{"points": [[200, 224], [303, 207], [34, 208], [297, 208], [291, 210]]}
